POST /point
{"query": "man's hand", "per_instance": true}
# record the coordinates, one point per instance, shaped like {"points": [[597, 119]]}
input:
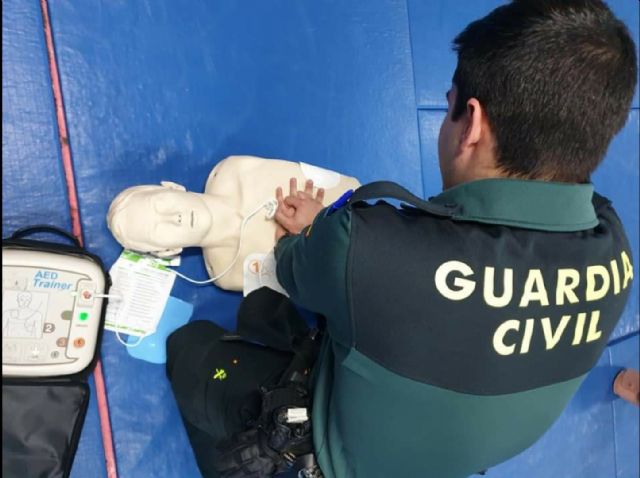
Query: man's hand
{"points": [[298, 210]]}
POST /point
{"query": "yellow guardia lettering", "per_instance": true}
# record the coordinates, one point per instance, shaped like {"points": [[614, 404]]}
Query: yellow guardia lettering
{"points": [[534, 289], [465, 287], [627, 268], [454, 281], [616, 276], [593, 293], [489, 287], [568, 280]]}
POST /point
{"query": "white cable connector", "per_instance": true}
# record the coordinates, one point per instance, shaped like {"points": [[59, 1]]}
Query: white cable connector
{"points": [[271, 207], [75, 293]]}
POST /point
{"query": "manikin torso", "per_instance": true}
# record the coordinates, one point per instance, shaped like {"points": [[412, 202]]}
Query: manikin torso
{"points": [[236, 187]]}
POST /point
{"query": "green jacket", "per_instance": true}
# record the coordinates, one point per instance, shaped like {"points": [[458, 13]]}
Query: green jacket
{"points": [[455, 337]]}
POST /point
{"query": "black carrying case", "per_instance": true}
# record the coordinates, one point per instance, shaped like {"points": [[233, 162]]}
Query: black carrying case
{"points": [[42, 418]]}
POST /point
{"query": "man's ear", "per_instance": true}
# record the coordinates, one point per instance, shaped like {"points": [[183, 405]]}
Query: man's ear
{"points": [[172, 185], [474, 119]]}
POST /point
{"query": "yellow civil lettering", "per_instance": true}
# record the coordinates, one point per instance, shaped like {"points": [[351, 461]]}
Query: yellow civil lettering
{"points": [[594, 333], [526, 339], [498, 337], [579, 332], [552, 338]]}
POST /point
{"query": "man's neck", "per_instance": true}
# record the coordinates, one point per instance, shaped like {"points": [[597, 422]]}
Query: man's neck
{"points": [[476, 175]]}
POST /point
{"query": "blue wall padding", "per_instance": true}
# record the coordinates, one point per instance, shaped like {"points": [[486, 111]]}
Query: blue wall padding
{"points": [[625, 417], [434, 25], [596, 436], [163, 90], [150, 440], [33, 187], [580, 443], [617, 178]]}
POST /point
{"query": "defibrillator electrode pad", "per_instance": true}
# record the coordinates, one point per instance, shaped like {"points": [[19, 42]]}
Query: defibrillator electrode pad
{"points": [[51, 312]]}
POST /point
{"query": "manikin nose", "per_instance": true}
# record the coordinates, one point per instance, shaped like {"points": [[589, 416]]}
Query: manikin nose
{"points": [[183, 216], [177, 218]]}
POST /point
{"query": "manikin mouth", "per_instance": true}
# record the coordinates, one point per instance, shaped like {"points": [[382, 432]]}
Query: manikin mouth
{"points": [[193, 219]]}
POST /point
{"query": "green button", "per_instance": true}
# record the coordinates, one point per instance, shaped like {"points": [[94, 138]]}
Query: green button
{"points": [[84, 316]]}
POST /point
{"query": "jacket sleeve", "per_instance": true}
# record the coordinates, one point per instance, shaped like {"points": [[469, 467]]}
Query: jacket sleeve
{"points": [[312, 266]]}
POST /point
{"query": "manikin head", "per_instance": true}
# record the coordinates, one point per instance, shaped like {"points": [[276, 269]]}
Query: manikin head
{"points": [[540, 89], [161, 219]]}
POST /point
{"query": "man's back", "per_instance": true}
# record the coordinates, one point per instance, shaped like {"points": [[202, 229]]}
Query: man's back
{"points": [[455, 338]]}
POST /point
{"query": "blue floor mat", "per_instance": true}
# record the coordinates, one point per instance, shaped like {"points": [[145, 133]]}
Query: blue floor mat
{"points": [[163, 90]]}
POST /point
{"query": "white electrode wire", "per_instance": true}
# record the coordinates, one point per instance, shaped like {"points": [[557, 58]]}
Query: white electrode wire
{"points": [[108, 296], [268, 205], [116, 329], [121, 340]]}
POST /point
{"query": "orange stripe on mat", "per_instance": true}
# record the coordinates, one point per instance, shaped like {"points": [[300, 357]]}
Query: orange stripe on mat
{"points": [[74, 209]]}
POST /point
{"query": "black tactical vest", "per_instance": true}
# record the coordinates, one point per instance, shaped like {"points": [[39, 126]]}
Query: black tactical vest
{"points": [[507, 309]]}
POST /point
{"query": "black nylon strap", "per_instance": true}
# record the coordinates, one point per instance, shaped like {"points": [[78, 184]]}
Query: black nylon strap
{"points": [[388, 189], [28, 230]]}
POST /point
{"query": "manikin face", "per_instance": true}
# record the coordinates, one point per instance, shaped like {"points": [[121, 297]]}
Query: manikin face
{"points": [[164, 219]]}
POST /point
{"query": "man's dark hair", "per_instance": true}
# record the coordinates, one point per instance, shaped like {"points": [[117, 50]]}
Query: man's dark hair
{"points": [[556, 79]]}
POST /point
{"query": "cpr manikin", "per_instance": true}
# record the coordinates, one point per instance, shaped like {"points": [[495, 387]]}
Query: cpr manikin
{"points": [[229, 221]]}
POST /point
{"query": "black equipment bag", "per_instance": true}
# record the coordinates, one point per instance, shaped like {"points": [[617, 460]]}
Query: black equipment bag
{"points": [[42, 417], [275, 442]]}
